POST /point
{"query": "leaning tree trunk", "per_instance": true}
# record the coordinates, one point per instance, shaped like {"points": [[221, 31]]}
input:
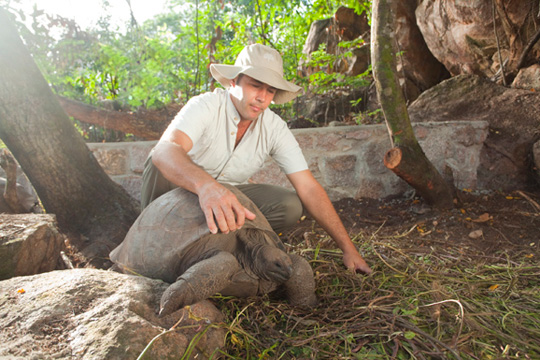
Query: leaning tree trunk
{"points": [[67, 178], [406, 158]]}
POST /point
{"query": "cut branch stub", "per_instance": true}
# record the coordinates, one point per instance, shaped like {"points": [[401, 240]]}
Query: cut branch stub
{"points": [[420, 173], [392, 158]]}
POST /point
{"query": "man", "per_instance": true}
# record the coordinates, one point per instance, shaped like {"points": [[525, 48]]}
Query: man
{"points": [[226, 136]]}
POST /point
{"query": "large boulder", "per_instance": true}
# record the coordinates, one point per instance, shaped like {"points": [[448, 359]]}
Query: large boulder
{"points": [[512, 115], [461, 35], [345, 25], [97, 314], [417, 68]]}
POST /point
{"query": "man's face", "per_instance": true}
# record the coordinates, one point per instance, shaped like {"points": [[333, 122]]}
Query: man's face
{"points": [[250, 97]]}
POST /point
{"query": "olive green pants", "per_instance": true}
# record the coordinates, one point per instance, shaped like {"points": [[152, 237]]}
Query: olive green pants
{"points": [[281, 207]]}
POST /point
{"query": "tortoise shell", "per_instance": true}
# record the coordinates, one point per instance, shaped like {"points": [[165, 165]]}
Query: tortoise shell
{"points": [[158, 239]]}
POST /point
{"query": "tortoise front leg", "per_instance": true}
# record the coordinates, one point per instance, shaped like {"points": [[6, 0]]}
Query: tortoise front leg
{"points": [[199, 282], [300, 288]]}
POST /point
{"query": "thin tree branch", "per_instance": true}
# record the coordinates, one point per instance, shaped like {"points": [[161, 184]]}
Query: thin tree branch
{"points": [[197, 75], [527, 49], [498, 43], [262, 31], [133, 20]]}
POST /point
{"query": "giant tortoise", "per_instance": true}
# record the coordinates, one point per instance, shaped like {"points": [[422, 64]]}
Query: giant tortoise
{"points": [[170, 241]]}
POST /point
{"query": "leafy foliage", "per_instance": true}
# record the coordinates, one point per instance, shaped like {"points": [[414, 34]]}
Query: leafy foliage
{"points": [[167, 58]]}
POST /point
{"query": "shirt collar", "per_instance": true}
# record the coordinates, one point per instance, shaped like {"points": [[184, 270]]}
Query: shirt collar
{"points": [[232, 113]]}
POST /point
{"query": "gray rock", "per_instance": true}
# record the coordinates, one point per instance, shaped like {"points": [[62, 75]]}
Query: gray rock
{"points": [[460, 35], [96, 314], [528, 78], [29, 244], [512, 115]]}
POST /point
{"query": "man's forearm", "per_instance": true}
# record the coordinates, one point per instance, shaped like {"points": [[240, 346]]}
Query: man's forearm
{"points": [[317, 203], [324, 213], [320, 207], [177, 167]]}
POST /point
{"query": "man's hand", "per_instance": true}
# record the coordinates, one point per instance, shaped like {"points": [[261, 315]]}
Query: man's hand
{"points": [[354, 262], [221, 205]]}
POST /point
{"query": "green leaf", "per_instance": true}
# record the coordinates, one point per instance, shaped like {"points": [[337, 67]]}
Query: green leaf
{"points": [[409, 335]]}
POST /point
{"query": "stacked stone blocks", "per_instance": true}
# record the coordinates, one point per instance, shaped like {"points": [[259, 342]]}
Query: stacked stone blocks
{"points": [[346, 160]]}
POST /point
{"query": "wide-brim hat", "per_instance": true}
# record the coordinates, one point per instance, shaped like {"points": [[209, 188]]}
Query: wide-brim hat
{"points": [[261, 63]]}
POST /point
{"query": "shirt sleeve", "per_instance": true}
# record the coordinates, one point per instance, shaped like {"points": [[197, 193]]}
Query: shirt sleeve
{"points": [[286, 150], [195, 116]]}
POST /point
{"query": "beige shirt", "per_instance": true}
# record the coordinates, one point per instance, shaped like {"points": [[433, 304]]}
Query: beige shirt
{"points": [[211, 122]]}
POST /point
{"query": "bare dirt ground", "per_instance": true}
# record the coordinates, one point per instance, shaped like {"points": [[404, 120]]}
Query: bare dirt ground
{"points": [[486, 223]]}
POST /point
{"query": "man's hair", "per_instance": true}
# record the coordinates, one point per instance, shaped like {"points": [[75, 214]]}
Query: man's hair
{"points": [[239, 77]]}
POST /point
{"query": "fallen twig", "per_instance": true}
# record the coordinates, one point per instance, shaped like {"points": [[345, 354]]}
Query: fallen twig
{"points": [[531, 201], [66, 260]]}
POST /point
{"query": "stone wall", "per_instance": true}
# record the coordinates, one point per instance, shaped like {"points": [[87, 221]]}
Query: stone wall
{"points": [[347, 161]]}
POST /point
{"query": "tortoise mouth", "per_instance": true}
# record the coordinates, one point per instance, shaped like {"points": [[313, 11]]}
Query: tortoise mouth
{"points": [[280, 273]]}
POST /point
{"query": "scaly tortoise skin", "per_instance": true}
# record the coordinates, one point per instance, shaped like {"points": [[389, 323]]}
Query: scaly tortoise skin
{"points": [[170, 241]]}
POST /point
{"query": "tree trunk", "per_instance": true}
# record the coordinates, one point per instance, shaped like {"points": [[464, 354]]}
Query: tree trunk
{"points": [[63, 171], [406, 159], [146, 124]]}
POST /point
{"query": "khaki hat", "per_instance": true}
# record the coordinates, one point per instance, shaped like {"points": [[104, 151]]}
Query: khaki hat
{"points": [[261, 63]]}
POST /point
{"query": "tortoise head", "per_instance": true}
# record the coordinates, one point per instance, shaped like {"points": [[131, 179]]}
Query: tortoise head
{"points": [[264, 258], [272, 264]]}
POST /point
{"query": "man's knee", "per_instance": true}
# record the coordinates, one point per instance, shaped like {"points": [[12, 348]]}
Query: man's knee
{"points": [[284, 212], [292, 209], [154, 183], [281, 207]]}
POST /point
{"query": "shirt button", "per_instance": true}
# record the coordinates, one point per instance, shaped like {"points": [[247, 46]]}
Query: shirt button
{"points": [[232, 133]]}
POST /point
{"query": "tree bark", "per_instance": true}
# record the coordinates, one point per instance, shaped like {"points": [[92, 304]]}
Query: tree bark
{"points": [[406, 159], [66, 176], [145, 124]]}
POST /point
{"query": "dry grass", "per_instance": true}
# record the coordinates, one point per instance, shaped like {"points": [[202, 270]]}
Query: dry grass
{"points": [[434, 301]]}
